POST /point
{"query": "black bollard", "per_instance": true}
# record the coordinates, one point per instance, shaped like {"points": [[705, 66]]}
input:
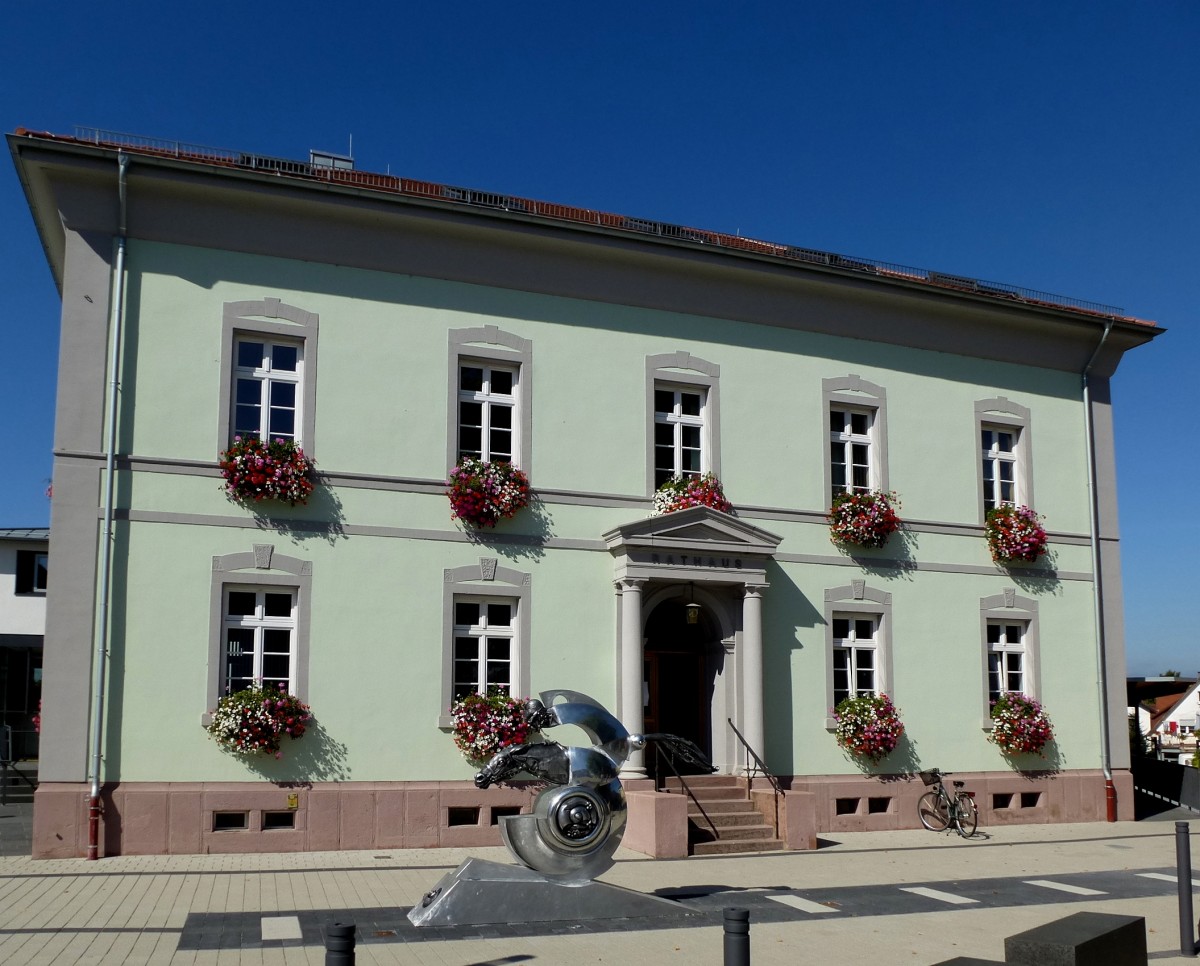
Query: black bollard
{"points": [[339, 944], [737, 937], [1183, 877]]}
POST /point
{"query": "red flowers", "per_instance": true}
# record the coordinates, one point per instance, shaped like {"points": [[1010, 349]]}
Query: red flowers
{"points": [[1015, 533], [1019, 725], [481, 493], [681, 492], [485, 724], [868, 726], [255, 721], [277, 470], [863, 519]]}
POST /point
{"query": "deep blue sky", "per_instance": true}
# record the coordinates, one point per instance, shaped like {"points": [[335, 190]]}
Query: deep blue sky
{"points": [[1054, 146]]}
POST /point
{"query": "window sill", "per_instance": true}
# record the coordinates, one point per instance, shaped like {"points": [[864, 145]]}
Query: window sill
{"points": [[831, 724]]}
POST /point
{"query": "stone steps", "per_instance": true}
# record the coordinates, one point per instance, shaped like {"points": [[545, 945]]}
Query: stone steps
{"points": [[736, 825]]}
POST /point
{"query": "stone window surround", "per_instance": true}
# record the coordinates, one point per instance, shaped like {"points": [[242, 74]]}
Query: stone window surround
{"points": [[249, 319], [485, 579], [259, 567], [857, 598], [490, 344], [1001, 411], [1010, 607], [682, 369], [857, 393]]}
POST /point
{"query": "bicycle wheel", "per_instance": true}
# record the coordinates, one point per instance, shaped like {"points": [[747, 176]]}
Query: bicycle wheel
{"points": [[966, 815], [933, 812]]}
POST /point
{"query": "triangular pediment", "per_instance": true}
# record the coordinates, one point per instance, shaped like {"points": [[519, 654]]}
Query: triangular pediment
{"points": [[700, 530]]}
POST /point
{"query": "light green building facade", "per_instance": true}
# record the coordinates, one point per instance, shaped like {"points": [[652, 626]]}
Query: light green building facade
{"points": [[387, 289]]}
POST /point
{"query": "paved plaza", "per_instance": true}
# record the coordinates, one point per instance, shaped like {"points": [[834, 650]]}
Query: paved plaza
{"points": [[878, 898]]}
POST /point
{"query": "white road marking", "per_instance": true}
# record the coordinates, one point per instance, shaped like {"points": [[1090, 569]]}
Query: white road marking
{"points": [[1164, 877], [804, 905], [940, 896], [1064, 887]]}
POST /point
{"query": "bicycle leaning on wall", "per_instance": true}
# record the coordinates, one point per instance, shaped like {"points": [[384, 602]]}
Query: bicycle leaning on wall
{"points": [[938, 809]]}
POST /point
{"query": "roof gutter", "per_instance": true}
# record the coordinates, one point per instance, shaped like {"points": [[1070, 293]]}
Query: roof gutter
{"points": [[1110, 791], [100, 653]]}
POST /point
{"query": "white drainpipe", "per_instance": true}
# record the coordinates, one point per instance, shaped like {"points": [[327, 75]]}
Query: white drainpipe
{"points": [[1110, 791], [100, 654]]}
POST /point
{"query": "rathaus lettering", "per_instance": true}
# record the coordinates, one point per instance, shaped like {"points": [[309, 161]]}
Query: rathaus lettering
{"points": [[684, 560]]}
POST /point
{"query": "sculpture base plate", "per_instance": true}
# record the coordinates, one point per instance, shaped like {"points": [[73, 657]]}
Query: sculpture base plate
{"points": [[480, 893]]}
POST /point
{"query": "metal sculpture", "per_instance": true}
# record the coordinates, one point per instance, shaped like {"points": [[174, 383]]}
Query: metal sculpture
{"points": [[576, 826]]}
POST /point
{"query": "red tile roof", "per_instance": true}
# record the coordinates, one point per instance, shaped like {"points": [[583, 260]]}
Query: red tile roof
{"points": [[433, 191]]}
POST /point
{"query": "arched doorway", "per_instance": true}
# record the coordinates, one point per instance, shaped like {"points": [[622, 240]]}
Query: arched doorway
{"points": [[681, 662]]}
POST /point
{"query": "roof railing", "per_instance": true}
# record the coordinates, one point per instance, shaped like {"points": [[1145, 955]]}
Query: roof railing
{"points": [[483, 199]]}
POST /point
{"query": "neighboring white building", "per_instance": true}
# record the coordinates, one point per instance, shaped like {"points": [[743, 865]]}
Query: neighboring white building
{"points": [[1182, 719], [24, 572]]}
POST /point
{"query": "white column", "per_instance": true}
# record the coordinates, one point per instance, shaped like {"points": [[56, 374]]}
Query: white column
{"points": [[632, 671], [752, 672]]}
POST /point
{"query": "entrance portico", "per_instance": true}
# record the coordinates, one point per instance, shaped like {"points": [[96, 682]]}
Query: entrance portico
{"points": [[720, 562]]}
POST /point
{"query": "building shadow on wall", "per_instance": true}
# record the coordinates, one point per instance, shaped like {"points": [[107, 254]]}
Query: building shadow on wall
{"points": [[321, 519], [894, 561], [900, 765], [316, 757], [1041, 579], [522, 538]]}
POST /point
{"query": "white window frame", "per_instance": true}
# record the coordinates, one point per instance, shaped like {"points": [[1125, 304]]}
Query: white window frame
{"points": [[483, 634], [1009, 608], [857, 599], [854, 649], [258, 623], [489, 400], [1001, 655], [269, 321], [260, 567], [853, 394], [842, 445], [490, 347], [682, 371], [485, 581], [267, 376], [679, 421], [1000, 414]]}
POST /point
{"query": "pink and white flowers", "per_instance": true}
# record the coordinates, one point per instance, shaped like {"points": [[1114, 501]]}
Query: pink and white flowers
{"points": [[276, 470], [681, 492], [485, 724], [482, 492], [256, 720], [863, 519], [868, 726], [1020, 725], [1015, 533]]}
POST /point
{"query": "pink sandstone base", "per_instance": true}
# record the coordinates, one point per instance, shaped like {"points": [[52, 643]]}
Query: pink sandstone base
{"points": [[148, 818]]}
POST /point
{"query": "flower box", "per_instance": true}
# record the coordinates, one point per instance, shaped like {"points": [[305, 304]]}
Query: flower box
{"points": [[485, 724], [1020, 725], [255, 721], [275, 470], [482, 493], [681, 492], [868, 727], [1015, 534], [863, 519]]}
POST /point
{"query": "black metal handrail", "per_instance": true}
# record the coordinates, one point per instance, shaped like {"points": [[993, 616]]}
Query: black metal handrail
{"points": [[670, 762], [762, 767]]}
